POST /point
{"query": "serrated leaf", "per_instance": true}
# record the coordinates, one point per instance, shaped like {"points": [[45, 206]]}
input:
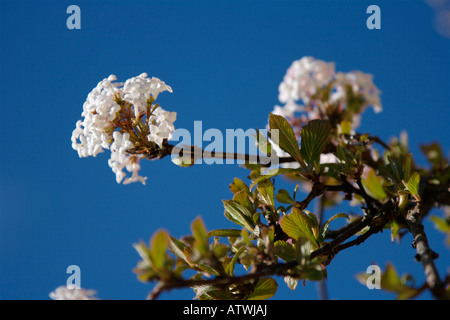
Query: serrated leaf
{"points": [[265, 193], [238, 214], [314, 138], [270, 174], [238, 185], [284, 250], [281, 131], [297, 225], [243, 198], [263, 143], [265, 288]]}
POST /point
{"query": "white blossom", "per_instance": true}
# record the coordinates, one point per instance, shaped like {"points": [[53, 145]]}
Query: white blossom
{"points": [[120, 159], [138, 89], [161, 126], [98, 130], [72, 293], [90, 135], [303, 77]]}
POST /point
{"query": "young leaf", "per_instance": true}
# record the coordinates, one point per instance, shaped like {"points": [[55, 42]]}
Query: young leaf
{"points": [[265, 193], [374, 185], [413, 185], [281, 131], [297, 225], [265, 288], [238, 214], [200, 235], [326, 225], [238, 185], [314, 138], [158, 246], [284, 197], [284, 250]]}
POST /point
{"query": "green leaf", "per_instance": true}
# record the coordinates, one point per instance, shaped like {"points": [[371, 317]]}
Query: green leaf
{"points": [[230, 267], [281, 131], [238, 214], [284, 250], [224, 233], [413, 185], [265, 193], [263, 143], [374, 185], [143, 251], [326, 225], [270, 174], [158, 247], [394, 230], [238, 185], [297, 225], [177, 247], [200, 235], [243, 198], [284, 197], [265, 288], [314, 138], [443, 225]]}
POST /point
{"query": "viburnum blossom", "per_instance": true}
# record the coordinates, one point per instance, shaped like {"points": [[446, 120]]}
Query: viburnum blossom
{"points": [[325, 93], [123, 118], [72, 293]]}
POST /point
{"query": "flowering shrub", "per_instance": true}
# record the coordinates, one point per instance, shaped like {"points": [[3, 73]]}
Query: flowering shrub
{"points": [[278, 234]]}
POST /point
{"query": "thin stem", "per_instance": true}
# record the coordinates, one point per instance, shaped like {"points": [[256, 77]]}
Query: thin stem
{"points": [[319, 209], [196, 152]]}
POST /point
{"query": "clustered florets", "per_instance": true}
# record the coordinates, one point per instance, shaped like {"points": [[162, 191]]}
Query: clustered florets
{"points": [[121, 117], [312, 87], [72, 293]]}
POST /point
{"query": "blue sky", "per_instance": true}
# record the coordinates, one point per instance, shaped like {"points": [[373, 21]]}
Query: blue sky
{"points": [[224, 61]]}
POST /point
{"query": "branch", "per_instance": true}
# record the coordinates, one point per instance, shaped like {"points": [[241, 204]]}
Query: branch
{"points": [[198, 153], [329, 250], [424, 253]]}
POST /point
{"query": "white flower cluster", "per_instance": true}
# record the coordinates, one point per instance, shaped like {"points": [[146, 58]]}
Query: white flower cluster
{"points": [[72, 293], [302, 79], [138, 89], [90, 135], [306, 75], [161, 125], [97, 131]]}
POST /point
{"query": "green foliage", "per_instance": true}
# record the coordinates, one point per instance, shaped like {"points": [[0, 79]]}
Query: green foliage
{"points": [[276, 235], [282, 132], [314, 138]]}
